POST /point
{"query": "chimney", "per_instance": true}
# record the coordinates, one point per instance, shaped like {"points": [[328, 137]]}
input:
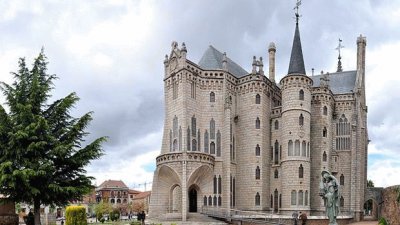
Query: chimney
{"points": [[271, 51]]}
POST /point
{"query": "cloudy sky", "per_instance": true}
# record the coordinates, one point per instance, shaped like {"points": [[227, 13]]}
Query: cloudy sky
{"points": [[111, 53]]}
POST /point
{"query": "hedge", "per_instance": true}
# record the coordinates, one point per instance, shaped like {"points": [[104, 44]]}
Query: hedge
{"points": [[75, 215]]}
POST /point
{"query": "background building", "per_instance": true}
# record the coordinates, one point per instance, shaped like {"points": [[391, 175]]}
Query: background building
{"points": [[239, 140]]}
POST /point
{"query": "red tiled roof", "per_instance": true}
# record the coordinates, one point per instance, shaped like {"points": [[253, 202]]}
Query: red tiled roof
{"points": [[131, 191], [113, 184], [142, 195]]}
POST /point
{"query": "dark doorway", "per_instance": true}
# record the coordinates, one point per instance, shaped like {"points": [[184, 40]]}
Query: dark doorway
{"points": [[192, 200]]}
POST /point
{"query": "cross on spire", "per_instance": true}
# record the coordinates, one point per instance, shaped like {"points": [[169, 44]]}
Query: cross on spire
{"points": [[298, 3], [340, 46]]}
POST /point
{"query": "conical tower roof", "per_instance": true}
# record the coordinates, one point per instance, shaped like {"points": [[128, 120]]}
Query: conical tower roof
{"points": [[296, 65]]}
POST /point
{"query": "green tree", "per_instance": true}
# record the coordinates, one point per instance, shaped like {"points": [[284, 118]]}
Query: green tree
{"points": [[370, 183], [103, 208], [42, 156]]}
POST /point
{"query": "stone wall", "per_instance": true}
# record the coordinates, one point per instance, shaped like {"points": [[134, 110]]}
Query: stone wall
{"points": [[390, 206], [7, 213]]}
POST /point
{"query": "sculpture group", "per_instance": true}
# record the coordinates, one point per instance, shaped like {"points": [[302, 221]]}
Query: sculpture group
{"points": [[329, 191]]}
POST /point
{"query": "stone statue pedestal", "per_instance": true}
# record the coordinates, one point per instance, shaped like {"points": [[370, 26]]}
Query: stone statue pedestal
{"points": [[7, 212]]}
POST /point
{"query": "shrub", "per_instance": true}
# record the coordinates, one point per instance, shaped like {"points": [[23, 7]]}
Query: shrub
{"points": [[135, 223], [383, 221], [75, 215], [99, 216], [114, 215]]}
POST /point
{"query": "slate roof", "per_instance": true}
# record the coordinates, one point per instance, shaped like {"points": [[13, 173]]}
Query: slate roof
{"points": [[212, 59], [296, 64], [112, 184], [340, 82]]}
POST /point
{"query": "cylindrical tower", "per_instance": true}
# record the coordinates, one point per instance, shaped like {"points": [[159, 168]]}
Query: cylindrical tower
{"points": [[321, 145], [296, 118]]}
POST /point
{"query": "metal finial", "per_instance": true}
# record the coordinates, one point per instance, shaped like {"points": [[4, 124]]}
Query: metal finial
{"points": [[298, 3], [340, 46]]}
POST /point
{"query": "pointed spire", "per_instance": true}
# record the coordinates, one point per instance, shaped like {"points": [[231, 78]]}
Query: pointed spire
{"points": [[296, 65]]}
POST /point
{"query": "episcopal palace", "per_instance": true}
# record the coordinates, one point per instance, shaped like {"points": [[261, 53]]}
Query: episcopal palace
{"points": [[237, 139]]}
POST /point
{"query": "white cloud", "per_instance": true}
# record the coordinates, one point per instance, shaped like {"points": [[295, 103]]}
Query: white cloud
{"points": [[385, 173]]}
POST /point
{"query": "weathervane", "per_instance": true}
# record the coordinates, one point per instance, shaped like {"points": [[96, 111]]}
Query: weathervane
{"points": [[298, 3], [339, 46], [339, 68]]}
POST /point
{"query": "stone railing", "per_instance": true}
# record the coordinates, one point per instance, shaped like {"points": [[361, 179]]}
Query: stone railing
{"points": [[185, 156]]}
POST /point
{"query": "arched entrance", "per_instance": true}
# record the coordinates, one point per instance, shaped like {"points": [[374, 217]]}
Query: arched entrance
{"points": [[192, 199]]}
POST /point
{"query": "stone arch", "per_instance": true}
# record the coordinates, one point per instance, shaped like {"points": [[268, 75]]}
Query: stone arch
{"points": [[166, 179], [373, 202], [199, 179]]}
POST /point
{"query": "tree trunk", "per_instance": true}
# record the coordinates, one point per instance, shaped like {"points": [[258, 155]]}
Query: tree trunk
{"points": [[36, 207]]}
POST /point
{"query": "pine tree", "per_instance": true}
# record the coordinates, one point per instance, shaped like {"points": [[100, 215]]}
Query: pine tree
{"points": [[42, 157]]}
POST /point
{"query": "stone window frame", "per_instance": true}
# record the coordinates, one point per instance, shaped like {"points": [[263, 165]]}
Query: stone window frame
{"points": [[258, 123], [341, 179], [258, 99], [301, 94], [258, 150], [258, 173], [301, 120], [324, 157], [276, 125], [276, 174], [293, 197], [301, 171], [325, 111], [212, 96], [257, 199]]}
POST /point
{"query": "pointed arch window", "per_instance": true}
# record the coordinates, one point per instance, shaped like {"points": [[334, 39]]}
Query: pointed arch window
{"points": [[212, 148], [194, 126], [218, 143], [280, 200], [194, 145], [301, 94], [324, 157], [300, 198], [212, 97], [198, 140], [341, 179], [215, 200], [276, 124], [170, 141], [212, 128], [293, 197], [325, 110], [188, 139], [272, 201], [324, 132], [210, 200], [257, 199], [175, 146], [303, 148], [206, 143], [276, 173], [258, 173], [205, 200], [219, 201], [215, 184], [276, 152], [306, 198], [258, 151], [258, 123], [219, 184], [290, 148], [297, 148], [301, 171], [175, 126], [258, 99], [341, 201], [301, 120]]}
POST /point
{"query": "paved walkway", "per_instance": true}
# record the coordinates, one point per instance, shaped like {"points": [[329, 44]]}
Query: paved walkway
{"points": [[365, 223]]}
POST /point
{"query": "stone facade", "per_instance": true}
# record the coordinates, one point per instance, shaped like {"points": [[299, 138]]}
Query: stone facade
{"points": [[390, 206], [7, 212], [239, 140]]}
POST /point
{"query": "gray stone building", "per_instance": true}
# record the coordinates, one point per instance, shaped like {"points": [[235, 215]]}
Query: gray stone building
{"points": [[242, 140]]}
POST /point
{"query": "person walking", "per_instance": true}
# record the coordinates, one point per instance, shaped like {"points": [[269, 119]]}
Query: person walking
{"points": [[142, 217], [295, 216], [303, 218]]}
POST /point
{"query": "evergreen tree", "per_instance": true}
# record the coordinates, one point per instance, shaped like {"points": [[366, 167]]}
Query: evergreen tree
{"points": [[42, 156]]}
